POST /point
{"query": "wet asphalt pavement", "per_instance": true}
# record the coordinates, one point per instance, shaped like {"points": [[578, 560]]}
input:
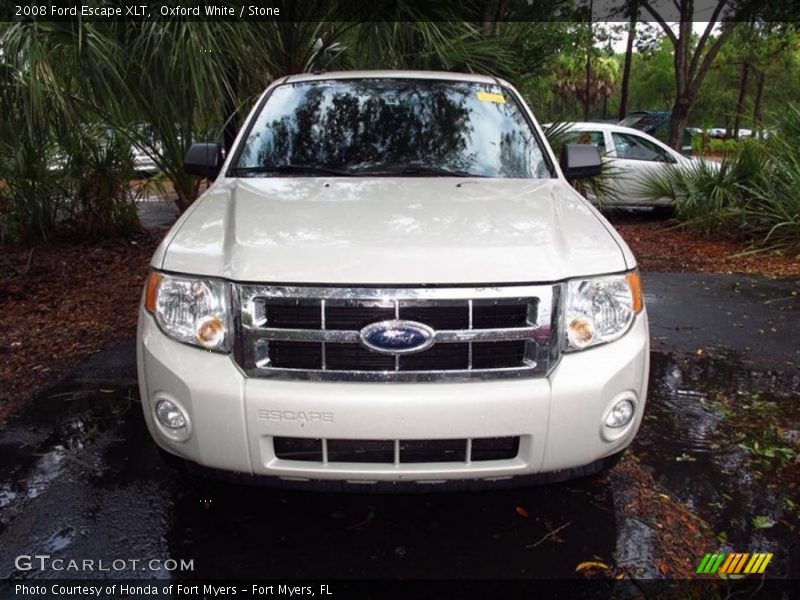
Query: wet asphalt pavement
{"points": [[80, 477]]}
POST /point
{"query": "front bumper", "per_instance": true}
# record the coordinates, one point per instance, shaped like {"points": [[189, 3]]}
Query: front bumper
{"points": [[233, 419]]}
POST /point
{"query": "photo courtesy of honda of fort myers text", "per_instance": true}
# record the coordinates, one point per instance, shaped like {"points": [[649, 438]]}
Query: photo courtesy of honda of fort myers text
{"points": [[128, 589]]}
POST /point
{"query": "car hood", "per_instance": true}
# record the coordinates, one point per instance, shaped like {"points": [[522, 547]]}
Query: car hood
{"points": [[392, 231]]}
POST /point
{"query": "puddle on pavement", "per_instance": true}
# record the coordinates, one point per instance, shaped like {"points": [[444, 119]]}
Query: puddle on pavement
{"points": [[50, 435], [79, 475], [724, 440], [52, 459], [59, 493]]}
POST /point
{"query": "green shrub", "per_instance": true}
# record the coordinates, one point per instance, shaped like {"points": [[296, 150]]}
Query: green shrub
{"points": [[97, 174], [31, 196], [697, 145], [77, 184], [702, 144], [773, 209], [719, 147], [754, 192]]}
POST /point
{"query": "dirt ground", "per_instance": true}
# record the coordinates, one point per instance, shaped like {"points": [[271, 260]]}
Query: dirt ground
{"points": [[64, 301], [666, 245]]}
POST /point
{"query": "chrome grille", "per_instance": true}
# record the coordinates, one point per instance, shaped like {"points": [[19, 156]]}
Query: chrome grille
{"points": [[314, 332]]}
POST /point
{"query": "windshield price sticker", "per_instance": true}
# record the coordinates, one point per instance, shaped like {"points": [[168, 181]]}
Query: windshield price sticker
{"points": [[491, 97]]}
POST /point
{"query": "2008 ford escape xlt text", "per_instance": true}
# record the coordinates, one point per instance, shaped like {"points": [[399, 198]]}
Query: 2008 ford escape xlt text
{"points": [[391, 280]]}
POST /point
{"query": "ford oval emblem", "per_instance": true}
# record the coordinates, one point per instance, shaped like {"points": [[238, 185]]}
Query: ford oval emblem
{"points": [[397, 337]]}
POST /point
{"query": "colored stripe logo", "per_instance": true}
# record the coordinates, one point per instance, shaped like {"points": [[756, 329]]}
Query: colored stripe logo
{"points": [[733, 563]]}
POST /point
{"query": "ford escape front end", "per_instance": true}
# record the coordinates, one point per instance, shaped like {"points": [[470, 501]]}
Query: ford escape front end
{"points": [[391, 280]]}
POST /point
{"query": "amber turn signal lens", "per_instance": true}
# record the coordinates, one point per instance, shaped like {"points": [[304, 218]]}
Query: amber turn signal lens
{"points": [[151, 290], [635, 281], [580, 332], [210, 332]]}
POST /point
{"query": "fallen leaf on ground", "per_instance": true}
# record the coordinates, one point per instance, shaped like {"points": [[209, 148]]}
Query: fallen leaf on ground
{"points": [[762, 522], [590, 565]]}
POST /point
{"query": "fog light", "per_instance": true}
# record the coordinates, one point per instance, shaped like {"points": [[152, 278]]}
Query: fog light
{"points": [[169, 415], [621, 414]]}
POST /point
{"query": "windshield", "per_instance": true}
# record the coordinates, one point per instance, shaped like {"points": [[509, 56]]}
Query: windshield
{"points": [[392, 127]]}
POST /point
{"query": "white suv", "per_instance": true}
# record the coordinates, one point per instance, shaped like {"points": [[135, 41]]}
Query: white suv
{"points": [[391, 280]]}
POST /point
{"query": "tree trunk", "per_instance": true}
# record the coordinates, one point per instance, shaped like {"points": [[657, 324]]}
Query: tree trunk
{"points": [[683, 99], [758, 117], [737, 121], [491, 25], [680, 119], [626, 71], [589, 49], [691, 66], [586, 89], [183, 200], [186, 192]]}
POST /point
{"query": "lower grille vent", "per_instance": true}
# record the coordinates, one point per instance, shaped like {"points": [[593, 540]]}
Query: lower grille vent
{"points": [[396, 451]]}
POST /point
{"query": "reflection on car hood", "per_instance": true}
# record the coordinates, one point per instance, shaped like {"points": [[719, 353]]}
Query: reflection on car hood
{"points": [[392, 231]]}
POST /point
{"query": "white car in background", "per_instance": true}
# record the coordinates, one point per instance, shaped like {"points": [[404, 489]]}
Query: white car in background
{"points": [[143, 163], [633, 156]]}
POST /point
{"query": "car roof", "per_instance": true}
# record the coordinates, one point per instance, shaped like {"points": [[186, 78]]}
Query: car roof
{"points": [[585, 125], [431, 75]]}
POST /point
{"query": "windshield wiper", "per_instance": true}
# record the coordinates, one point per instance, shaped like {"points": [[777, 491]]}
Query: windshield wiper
{"points": [[295, 169], [410, 170]]}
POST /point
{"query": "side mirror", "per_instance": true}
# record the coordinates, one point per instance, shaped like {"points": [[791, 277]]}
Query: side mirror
{"points": [[579, 161], [203, 159]]}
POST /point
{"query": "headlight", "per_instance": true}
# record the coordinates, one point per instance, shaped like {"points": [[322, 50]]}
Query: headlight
{"points": [[194, 311], [601, 309]]}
